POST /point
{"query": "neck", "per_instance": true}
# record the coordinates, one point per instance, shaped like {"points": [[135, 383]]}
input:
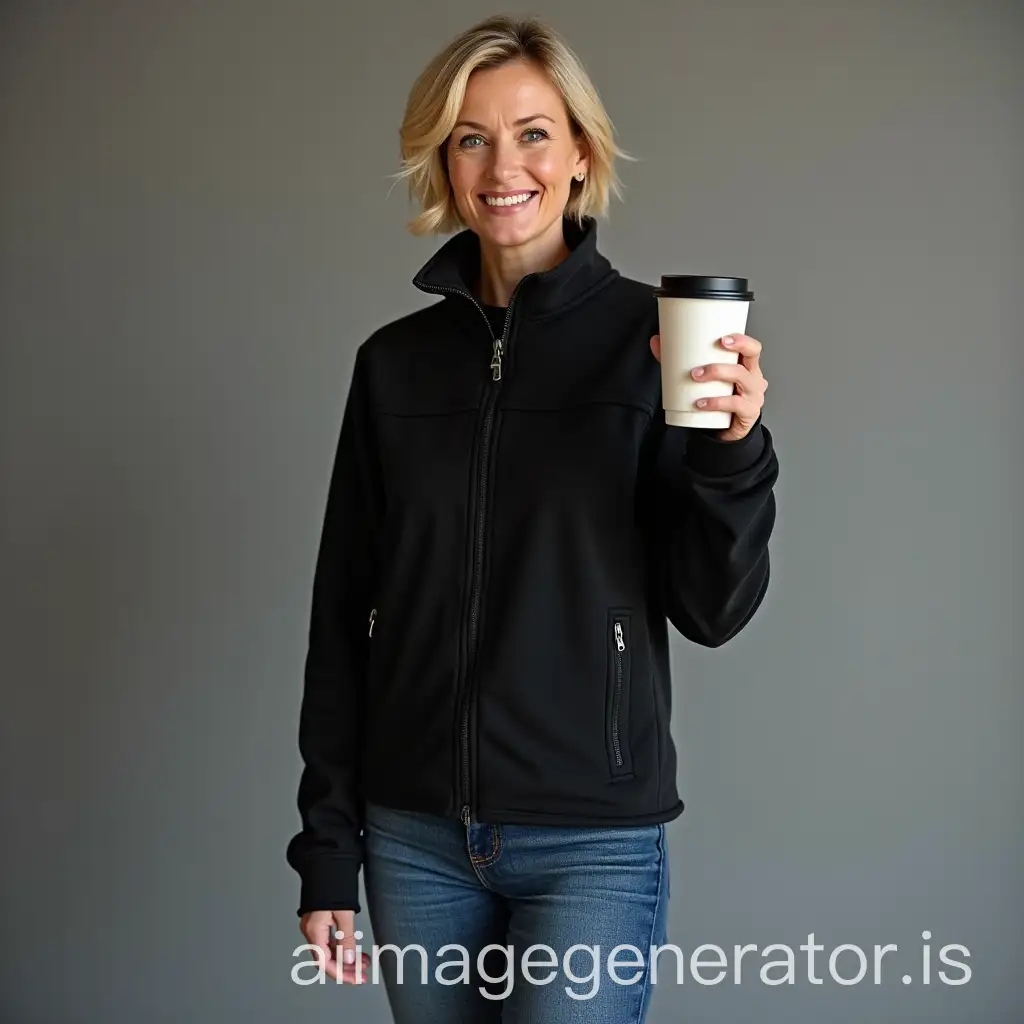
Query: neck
{"points": [[502, 267]]}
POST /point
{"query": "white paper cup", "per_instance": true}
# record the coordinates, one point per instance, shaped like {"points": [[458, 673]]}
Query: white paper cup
{"points": [[694, 313]]}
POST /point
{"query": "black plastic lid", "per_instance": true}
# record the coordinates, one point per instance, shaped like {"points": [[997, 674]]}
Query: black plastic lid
{"points": [[695, 286]]}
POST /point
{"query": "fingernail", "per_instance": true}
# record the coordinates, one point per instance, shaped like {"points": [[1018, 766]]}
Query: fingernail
{"points": [[728, 340], [350, 956], [701, 402], [699, 372]]}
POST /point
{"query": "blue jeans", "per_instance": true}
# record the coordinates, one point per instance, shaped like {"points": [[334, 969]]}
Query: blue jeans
{"points": [[432, 882]]}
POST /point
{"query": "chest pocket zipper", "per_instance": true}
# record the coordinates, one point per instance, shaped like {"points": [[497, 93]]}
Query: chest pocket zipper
{"points": [[620, 759]]}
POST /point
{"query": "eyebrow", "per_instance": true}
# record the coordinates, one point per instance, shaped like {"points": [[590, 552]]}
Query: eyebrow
{"points": [[522, 120]]}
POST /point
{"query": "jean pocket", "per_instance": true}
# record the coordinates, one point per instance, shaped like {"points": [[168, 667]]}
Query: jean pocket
{"points": [[617, 696]]}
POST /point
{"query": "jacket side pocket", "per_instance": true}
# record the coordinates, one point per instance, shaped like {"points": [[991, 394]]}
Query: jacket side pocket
{"points": [[372, 648], [619, 678]]}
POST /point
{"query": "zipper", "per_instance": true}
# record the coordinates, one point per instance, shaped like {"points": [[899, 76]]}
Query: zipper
{"points": [[373, 619], [498, 344], [498, 351], [620, 646]]}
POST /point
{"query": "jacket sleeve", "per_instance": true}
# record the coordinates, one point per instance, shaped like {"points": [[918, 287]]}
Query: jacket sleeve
{"points": [[714, 511], [327, 852]]}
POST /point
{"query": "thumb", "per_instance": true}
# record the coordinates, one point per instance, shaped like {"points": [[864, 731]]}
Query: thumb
{"points": [[316, 926], [656, 346]]}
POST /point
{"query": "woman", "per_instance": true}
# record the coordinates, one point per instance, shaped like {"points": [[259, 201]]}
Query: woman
{"points": [[510, 526]]}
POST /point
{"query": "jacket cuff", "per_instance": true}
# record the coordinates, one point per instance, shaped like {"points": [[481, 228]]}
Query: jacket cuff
{"points": [[330, 883], [709, 456]]}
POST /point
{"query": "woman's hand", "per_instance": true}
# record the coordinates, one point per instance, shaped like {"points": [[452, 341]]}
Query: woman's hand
{"points": [[749, 384], [316, 927]]}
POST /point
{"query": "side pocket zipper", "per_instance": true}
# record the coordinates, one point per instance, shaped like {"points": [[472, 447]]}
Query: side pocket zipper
{"points": [[620, 646], [373, 619]]}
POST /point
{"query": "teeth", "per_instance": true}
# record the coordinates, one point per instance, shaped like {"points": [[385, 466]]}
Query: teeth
{"points": [[508, 200]]}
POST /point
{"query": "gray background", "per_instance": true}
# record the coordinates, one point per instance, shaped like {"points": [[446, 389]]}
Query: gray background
{"points": [[195, 234]]}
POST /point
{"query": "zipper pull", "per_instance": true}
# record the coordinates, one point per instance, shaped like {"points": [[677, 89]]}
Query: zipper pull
{"points": [[465, 815], [373, 618], [496, 361], [619, 642]]}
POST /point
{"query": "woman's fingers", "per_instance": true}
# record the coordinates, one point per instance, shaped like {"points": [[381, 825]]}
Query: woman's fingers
{"points": [[316, 927], [346, 949], [749, 349], [346, 923], [338, 951], [736, 373], [743, 407]]}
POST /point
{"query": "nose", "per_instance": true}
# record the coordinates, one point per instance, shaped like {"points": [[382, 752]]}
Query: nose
{"points": [[505, 161]]}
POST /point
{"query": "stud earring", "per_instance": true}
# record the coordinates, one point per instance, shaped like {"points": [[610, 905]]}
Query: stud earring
{"points": [[579, 176]]}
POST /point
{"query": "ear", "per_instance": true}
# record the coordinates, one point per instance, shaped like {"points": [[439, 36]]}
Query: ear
{"points": [[583, 156]]}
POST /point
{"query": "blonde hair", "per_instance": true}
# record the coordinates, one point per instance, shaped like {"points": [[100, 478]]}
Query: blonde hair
{"points": [[437, 96]]}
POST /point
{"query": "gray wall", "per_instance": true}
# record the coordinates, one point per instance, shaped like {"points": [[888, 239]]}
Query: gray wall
{"points": [[195, 234]]}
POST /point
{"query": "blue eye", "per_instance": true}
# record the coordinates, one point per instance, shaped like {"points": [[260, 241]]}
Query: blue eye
{"points": [[475, 141]]}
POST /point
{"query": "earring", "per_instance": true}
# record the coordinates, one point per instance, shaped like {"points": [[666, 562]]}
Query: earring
{"points": [[580, 176]]}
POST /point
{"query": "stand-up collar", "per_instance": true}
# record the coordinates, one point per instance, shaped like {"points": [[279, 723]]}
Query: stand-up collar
{"points": [[455, 267]]}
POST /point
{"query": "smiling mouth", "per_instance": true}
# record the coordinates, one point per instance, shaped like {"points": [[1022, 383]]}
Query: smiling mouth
{"points": [[512, 201]]}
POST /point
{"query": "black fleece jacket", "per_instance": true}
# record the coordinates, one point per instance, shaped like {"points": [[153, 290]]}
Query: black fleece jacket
{"points": [[510, 526]]}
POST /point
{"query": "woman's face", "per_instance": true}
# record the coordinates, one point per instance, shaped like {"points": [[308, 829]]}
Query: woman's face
{"points": [[513, 142]]}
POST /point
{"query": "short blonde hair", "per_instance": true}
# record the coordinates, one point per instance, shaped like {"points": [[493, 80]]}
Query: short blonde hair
{"points": [[437, 96]]}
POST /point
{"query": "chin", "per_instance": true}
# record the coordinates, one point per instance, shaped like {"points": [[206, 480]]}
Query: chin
{"points": [[509, 234]]}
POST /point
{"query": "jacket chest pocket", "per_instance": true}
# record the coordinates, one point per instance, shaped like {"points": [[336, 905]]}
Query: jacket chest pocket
{"points": [[617, 693]]}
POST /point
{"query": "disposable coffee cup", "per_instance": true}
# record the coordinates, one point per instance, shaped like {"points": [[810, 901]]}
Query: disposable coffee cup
{"points": [[694, 313]]}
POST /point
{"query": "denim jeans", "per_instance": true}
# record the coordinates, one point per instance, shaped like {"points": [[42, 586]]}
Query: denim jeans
{"points": [[432, 882]]}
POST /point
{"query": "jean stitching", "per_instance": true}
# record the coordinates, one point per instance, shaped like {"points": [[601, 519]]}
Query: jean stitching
{"points": [[489, 858], [477, 862]]}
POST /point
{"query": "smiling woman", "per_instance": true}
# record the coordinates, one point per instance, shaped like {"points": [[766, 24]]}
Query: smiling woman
{"points": [[510, 174], [504, 133], [511, 523]]}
